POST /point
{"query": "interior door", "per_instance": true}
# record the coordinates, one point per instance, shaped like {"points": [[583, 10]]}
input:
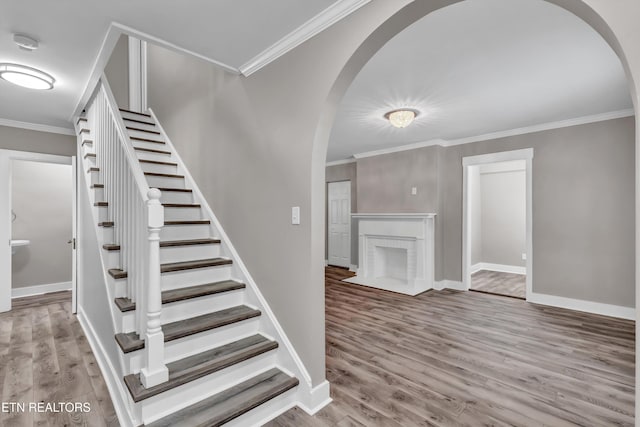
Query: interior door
{"points": [[339, 230], [74, 226]]}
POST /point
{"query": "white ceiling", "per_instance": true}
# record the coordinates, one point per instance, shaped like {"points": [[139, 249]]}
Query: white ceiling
{"points": [[479, 67], [71, 33]]}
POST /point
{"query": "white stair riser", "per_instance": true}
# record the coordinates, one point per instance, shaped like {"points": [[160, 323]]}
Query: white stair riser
{"points": [[163, 181], [188, 253], [125, 321], [267, 411], [203, 305], [107, 234], [129, 115], [182, 214], [197, 343], [90, 162], [111, 259], [184, 232], [196, 276], [148, 144], [102, 213], [154, 167], [158, 157], [136, 124], [176, 197], [142, 133], [178, 398], [94, 177], [119, 286], [98, 194]]}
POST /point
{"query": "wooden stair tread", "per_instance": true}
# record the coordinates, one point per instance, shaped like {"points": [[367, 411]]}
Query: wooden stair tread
{"points": [[199, 365], [183, 294], [190, 222], [116, 273], [84, 130], [154, 162], [151, 150], [87, 141], [184, 328], [97, 185], [190, 265], [134, 112], [106, 224], [136, 138], [89, 155], [138, 121], [81, 119], [232, 402], [101, 204], [111, 247], [166, 175], [93, 170], [181, 190], [170, 243], [125, 304], [143, 130], [181, 205]]}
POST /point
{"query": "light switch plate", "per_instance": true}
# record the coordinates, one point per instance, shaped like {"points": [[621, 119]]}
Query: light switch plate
{"points": [[295, 215], [414, 191]]}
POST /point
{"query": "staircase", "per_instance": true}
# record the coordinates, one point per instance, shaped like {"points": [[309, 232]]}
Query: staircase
{"points": [[195, 346]]}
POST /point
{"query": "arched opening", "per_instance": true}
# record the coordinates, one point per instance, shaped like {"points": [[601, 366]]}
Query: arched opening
{"points": [[393, 26]]}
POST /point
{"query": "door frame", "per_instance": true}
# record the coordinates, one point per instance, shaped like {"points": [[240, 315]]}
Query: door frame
{"points": [[328, 221], [503, 156], [6, 165]]}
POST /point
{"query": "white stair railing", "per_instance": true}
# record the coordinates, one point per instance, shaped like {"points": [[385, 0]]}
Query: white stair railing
{"points": [[138, 216]]}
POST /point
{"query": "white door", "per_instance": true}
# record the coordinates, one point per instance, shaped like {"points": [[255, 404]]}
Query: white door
{"points": [[339, 206]]}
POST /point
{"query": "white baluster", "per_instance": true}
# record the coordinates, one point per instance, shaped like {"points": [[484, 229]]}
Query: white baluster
{"points": [[155, 371]]}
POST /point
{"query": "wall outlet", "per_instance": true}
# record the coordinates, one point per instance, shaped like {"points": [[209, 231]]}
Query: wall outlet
{"points": [[414, 191], [295, 215], [524, 256]]}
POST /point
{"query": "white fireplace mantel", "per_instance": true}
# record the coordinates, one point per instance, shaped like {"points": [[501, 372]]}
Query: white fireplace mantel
{"points": [[396, 251]]}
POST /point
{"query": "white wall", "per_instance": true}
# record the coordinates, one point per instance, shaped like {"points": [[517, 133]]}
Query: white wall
{"points": [[41, 199]]}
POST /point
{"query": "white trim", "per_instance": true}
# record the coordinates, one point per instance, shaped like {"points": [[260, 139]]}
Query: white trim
{"points": [[524, 154], [582, 305], [449, 284], [393, 215], [353, 268], [501, 268], [496, 135], [341, 162], [326, 262], [37, 127], [28, 291], [109, 373], [318, 398], [315, 25]]}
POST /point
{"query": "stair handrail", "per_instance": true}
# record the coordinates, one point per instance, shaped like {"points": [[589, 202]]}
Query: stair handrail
{"points": [[140, 216]]}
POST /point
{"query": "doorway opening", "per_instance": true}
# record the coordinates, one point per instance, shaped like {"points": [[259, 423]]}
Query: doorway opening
{"points": [[39, 190], [497, 223]]}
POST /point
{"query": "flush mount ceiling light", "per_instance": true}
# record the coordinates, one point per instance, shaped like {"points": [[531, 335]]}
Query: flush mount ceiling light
{"points": [[401, 118], [24, 76], [25, 42]]}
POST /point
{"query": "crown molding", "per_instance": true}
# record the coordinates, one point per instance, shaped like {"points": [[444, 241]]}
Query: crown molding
{"points": [[612, 115], [36, 126], [317, 24], [341, 162]]}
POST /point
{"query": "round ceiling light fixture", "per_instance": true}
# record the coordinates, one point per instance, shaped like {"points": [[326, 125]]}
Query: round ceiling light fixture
{"points": [[401, 118], [25, 42], [24, 76]]}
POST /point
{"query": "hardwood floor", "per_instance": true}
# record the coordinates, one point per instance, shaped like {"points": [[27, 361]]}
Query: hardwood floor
{"points": [[449, 358], [494, 282], [45, 357]]}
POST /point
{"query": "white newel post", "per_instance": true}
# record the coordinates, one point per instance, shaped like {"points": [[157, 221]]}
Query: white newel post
{"points": [[154, 371]]}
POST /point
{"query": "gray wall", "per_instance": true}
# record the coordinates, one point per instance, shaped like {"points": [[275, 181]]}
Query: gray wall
{"points": [[258, 135], [583, 205], [37, 142], [43, 216], [503, 216], [337, 173], [117, 71]]}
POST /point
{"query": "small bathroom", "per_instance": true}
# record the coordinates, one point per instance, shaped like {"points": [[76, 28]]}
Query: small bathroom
{"points": [[41, 227]]}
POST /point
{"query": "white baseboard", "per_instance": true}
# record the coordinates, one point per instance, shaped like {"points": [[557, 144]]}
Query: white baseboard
{"points": [[448, 284], [353, 268], [109, 373], [318, 398], [326, 262], [502, 268], [581, 305], [40, 289]]}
